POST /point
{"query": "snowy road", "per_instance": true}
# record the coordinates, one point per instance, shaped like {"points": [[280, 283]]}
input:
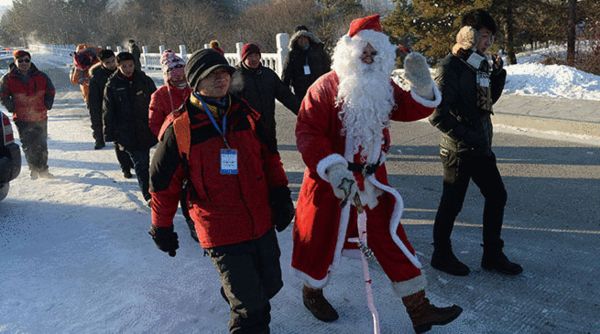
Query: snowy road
{"points": [[75, 256]]}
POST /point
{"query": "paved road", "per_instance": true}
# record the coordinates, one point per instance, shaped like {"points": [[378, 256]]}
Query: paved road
{"points": [[552, 227]]}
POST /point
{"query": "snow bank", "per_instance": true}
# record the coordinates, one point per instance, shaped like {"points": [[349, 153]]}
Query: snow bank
{"points": [[552, 81]]}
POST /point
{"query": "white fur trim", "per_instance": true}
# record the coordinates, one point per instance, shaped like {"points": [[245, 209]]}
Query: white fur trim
{"points": [[329, 161], [412, 286], [311, 282], [425, 102]]}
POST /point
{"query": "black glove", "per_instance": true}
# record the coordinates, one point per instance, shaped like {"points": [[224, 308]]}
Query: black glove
{"points": [[165, 239], [282, 207]]}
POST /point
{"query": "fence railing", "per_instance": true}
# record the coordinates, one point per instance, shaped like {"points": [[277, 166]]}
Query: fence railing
{"points": [[151, 61]]}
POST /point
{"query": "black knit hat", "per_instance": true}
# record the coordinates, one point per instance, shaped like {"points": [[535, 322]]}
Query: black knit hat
{"points": [[202, 62], [122, 56], [105, 54], [479, 18]]}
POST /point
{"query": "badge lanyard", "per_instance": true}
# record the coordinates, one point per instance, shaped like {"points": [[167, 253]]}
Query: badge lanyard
{"points": [[229, 156], [222, 131]]}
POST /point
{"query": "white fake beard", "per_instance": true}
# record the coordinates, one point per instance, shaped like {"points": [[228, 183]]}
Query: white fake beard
{"points": [[365, 91]]}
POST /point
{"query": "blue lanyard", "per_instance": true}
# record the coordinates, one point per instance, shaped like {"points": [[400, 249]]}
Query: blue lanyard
{"points": [[223, 131]]}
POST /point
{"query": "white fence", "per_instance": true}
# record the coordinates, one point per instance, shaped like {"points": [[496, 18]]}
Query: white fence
{"points": [[151, 61]]}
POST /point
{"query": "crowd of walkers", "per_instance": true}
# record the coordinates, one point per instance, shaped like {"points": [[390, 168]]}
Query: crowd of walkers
{"points": [[217, 156]]}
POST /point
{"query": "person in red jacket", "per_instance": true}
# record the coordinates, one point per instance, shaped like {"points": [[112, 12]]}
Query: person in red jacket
{"points": [[164, 104], [343, 134], [28, 94], [169, 97], [237, 190]]}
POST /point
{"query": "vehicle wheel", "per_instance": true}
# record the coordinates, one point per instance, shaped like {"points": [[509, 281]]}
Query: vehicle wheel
{"points": [[4, 190]]}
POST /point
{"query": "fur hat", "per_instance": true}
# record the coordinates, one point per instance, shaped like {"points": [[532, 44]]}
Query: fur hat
{"points": [[170, 60], [479, 18], [202, 62], [466, 39], [248, 49], [21, 53]]}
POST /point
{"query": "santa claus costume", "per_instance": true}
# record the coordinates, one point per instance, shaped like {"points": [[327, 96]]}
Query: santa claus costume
{"points": [[343, 136]]}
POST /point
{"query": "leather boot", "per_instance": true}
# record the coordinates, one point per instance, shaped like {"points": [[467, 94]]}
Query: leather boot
{"points": [[444, 259], [316, 303], [495, 260], [424, 315]]}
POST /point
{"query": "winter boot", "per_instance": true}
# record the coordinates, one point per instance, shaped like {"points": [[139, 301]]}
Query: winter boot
{"points": [[34, 174], [316, 303], [495, 260], [99, 144], [46, 174], [127, 173], [424, 315], [192, 227], [443, 259]]}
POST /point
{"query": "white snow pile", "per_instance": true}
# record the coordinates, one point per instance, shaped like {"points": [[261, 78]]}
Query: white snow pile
{"points": [[551, 81]]}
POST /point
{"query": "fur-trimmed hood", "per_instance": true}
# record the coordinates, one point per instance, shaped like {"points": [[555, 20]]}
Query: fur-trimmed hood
{"points": [[311, 37]]}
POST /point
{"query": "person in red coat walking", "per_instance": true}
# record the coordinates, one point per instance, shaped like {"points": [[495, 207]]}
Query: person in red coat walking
{"points": [[237, 190], [343, 136], [28, 94], [169, 97]]}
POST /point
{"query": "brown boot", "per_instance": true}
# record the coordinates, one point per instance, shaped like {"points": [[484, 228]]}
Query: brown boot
{"points": [[316, 303], [424, 315]]}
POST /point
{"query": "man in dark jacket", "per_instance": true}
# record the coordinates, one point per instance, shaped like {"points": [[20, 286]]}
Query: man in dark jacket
{"points": [[260, 86], [135, 51], [306, 62], [28, 94], [126, 100], [470, 85], [99, 75], [234, 205]]}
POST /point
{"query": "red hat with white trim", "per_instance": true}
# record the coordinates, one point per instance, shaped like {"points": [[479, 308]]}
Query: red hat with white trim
{"points": [[365, 23]]}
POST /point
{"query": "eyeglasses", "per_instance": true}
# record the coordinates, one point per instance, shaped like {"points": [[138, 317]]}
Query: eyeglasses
{"points": [[23, 60]]}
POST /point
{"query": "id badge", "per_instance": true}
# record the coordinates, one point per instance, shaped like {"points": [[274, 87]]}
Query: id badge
{"points": [[484, 81], [229, 162], [306, 70]]}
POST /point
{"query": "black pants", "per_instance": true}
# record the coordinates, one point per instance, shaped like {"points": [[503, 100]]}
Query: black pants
{"points": [[459, 169], [34, 141], [250, 276], [123, 158], [97, 126], [141, 164]]}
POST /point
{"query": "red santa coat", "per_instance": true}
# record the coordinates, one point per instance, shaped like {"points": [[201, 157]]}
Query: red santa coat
{"points": [[318, 235]]}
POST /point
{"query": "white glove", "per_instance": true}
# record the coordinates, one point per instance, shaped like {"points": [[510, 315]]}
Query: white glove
{"points": [[342, 181], [368, 197], [416, 72]]}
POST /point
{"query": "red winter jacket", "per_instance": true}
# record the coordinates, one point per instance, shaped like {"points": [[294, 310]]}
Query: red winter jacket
{"points": [[226, 209], [28, 97], [164, 101]]}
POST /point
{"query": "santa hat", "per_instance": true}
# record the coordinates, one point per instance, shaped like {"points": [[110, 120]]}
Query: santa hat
{"points": [[170, 60], [365, 23]]}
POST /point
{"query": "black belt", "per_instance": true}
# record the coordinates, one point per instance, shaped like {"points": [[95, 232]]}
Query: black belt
{"points": [[363, 168]]}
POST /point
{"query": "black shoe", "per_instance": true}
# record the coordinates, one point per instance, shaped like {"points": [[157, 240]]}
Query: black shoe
{"points": [[318, 305], [127, 174], [99, 145], [447, 262], [500, 263]]}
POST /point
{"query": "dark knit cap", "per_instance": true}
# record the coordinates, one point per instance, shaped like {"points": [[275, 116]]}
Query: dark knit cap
{"points": [[202, 62], [248, 49], [21, 53], [105, 54], [479, 18], [122, 56]]}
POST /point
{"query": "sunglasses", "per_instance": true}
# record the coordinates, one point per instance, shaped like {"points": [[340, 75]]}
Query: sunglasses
{"points": [[23, 60]]}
